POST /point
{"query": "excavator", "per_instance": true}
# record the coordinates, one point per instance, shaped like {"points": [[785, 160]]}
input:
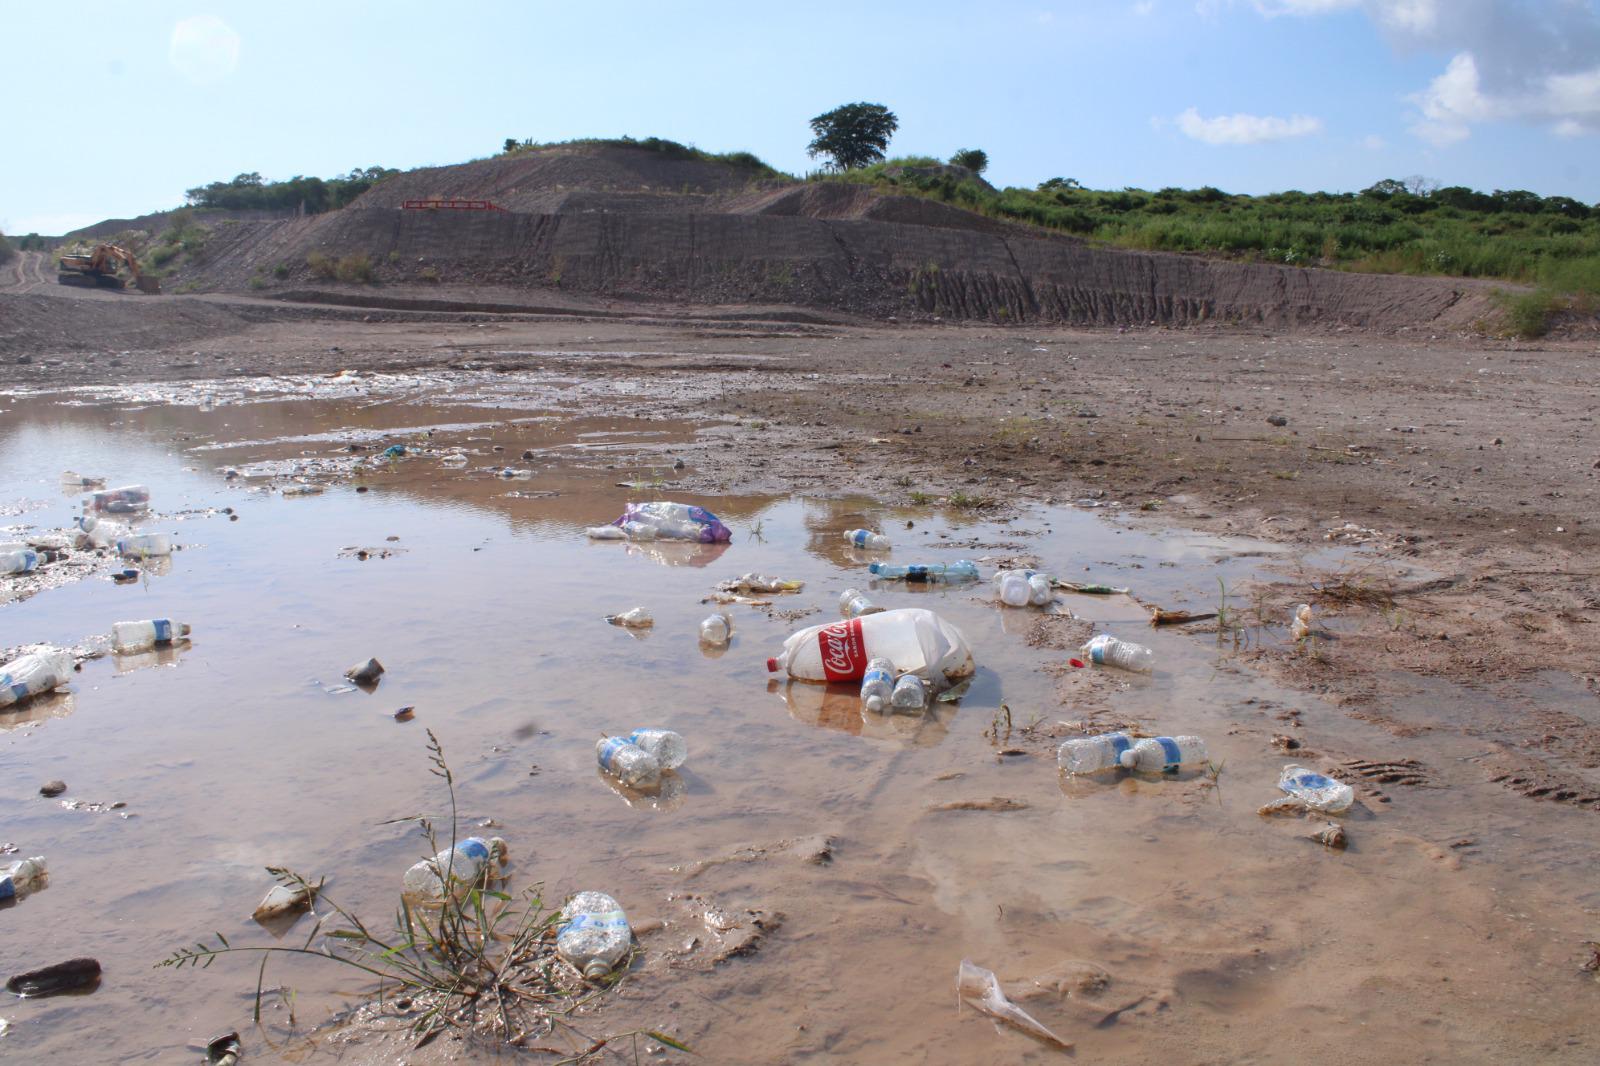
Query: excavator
{"points": [[99, 267]]}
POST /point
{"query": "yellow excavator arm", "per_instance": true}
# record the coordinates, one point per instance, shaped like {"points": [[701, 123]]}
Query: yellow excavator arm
{"points": [[99, 267]]}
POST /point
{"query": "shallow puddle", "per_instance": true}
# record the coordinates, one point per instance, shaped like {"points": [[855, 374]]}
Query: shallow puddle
{"points": [[1163, 918]]}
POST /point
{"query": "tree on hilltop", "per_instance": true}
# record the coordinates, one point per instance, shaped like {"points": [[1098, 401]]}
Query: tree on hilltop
{"points": [[974, 159], [853, 135]]}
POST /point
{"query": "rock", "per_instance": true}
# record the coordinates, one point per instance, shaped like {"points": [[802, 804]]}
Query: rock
{"points": [[1284, 742], [405, 714], [527, 454], [283, 900], [1331, 836], [62, 977], [24, 360], [224, 1050], [1277, 420], [366, 673], [52, 788]]}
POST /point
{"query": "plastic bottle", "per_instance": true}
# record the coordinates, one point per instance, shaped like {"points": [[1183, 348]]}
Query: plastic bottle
{"points": [[463, 864], [29, 675], [23, 877], [910, 693], [1300, 624], [674, 521], [99, 533], [627, 762], [1158, 754], [960, 570], [915, 640], [606, 533], [1317, 791], [145, 544], [853, 603], [716, 629], [636, 618], [18, 560], [663, 745], [137, 636], [123, 500], [1087, 755], [1021, 588], [595, 935], [866, 538], [877, 685], [1106, 650]]}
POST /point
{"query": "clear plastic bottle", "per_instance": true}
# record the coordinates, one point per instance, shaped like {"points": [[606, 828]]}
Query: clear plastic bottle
{"points": [[717, 629], [137, 636], [1164, 754], [606, 533], [124, 500], [853, 603], [877, 685], [1106, 650], [627, 762], [20, 878], [31, 674], [635, 618], [866, 538], [595, 935], [666, 747], [1317, 791], [18, 560], [99, 533], [960, 570], [910, 693], [1023, 588], [145, 544], [1087, 755], [463, 865], [1300, 624]]}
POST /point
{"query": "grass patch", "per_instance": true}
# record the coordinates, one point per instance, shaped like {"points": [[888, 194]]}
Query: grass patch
{"points": [[356, 267], [972, 501], [664, 147], [1527, 314]]}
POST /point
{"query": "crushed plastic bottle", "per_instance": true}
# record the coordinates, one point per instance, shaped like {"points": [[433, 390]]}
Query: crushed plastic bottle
{"points": [[1300, 624], [950, 573], [71, 479], [1087, 755], [635, 618], [1106, 650], [627, 762], [667, 748], [915, 640], [980, 989], [17, 559], [125, 500], [606, 533], [760, 583], [595, 935], [463, 865], [97, 532], [29, 675], [1023, 588], [866, 538], [673, 521], [877, 685], [1316, 791], [910, 693], [137, 636], [145, 545], [20, 878], [853, 603], [1164, 754], [717, 629]]}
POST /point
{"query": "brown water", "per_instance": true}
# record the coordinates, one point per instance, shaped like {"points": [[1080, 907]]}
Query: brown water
{"points": [[1226, 937]]}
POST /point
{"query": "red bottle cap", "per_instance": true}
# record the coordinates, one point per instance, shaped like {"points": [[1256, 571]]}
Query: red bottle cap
{"points": [[772, 666]]}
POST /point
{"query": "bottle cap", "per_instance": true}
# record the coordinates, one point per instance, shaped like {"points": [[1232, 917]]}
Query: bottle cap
{"points": [[772, 666]]}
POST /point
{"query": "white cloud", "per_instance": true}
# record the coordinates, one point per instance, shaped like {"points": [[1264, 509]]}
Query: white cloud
{"points": [[1245, 129], [1144, 8], [1373, 143], [204, 49]]}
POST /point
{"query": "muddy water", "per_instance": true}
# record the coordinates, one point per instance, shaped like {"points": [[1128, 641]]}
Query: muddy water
{"points": [[1224, 936]]}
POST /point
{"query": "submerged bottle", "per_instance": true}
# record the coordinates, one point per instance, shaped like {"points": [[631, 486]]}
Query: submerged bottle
{"points": [[666, 747], [866, 538], [910, 693], [97, 532], [20, 878], [31, 674], [1106, 650], [145, 544], [960, 570], [717, 629], [853, 603], [595, 935], [1087, 755], [635, 618], [18, 559], [1317, 791], [877, 685], [1022, 588], [462, 865], [627, 762], [122, 500], [137, 636], [1164, 754]]}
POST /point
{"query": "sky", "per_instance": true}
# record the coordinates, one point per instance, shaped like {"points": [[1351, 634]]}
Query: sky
{"points": [[118, 107]]}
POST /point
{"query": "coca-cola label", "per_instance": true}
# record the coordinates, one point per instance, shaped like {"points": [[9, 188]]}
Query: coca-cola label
{"points": [[844, 650]]}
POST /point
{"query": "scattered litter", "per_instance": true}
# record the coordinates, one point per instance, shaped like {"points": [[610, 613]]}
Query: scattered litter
{"points": [[98, 807], [956, 691], [716, 630], [511, 473], [97, 532], [1088, 589], [62, 977], [980, 989], [128, 499], [34, 673], [22, 877], [733, 597], [302, 490], [1162, 617], [73, 480], [627, 762], [126, 576], [1350, 533], [393, 451], [1106, 650], [635, 618], [866, 538], [139, 636], [1087, 755], [667, 748], [1164, 754], [595, 935], [915, 640], [145, 545], [284, 900], [1076, 664], [1316, 791], [464, 866], [853, 603], [671, 521], [607, 533], [17, 559], [877, 685], [224, 1050], [357, 552], [950, 573], [1023, 588], [910, 693], [760, 583], [1331, 836], [1300, 624], [366, 673]]}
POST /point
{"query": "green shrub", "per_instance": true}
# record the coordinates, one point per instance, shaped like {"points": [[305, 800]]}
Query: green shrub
{"points": [[429, 273], [321, 266], [356, 267], [1527, 314], [280, 271]]}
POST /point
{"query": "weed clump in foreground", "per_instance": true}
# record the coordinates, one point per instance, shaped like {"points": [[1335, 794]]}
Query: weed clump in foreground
{"points": [[482, 962]]}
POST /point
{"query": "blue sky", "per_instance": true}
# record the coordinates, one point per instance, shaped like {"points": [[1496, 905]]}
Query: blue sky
{"points": [[119, 107]]}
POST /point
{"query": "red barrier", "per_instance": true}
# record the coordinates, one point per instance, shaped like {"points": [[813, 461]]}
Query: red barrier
{"points": [[451, 205]]}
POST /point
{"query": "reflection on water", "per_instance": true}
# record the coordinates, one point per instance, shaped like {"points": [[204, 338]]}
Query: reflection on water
{"points": [[668, 795], [672, 553], [838, 707], [165, 655], [57, 704]]}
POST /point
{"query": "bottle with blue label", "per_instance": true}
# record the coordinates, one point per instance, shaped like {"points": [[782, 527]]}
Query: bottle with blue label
{"points": [[20, 878], [1106, 650], [866, 538], [32, 674], [910, 693], [138, 636], [1316, 791], [461, 867], [17, 559], [853, 603], [627, 762], [594, 935], [877, 685], [1154, 755], [960, 570], [667, 748], [1087, 755]]}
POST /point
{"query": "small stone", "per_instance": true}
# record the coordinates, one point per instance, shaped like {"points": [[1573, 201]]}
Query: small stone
{"points": [[361, 488], [366, 673], [527, 455], [1277, 420], [405, 714], [1330, 836], [62, 977], [52, 788], [1285, 742], [24, 360]]}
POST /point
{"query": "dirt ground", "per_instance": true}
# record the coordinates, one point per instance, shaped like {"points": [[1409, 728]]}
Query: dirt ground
{"points": [[1465, 468]]}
